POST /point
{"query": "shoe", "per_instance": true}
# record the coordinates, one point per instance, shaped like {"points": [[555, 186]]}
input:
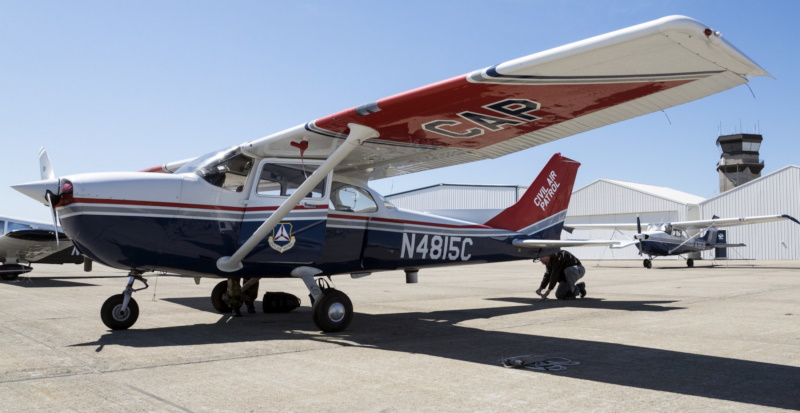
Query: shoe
{"points": [[582, 288], [250, 307], [236, 312]]}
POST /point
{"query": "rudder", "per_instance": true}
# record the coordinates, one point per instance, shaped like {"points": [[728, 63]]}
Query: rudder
{"points": [[545, 202]]}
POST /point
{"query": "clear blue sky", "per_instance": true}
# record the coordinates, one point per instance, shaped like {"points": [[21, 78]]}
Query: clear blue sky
{"points": [[125, 85]]}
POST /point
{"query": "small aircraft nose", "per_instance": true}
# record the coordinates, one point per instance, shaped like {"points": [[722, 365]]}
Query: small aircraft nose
{"points": [[38, 190]]}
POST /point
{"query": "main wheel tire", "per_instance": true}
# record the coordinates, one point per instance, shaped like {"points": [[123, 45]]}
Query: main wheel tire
{"points": [[218, 297], [9, 277], [114, 318], [277, 302], [333, 311], [690, 263], [648, 264]]}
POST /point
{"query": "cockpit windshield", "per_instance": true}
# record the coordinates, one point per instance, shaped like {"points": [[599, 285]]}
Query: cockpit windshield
{"points": [[664, 227], [226, 169]]}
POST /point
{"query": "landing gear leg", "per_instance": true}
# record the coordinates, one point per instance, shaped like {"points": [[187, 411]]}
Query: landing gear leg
{"points": [[120, 311], [332, 310]]}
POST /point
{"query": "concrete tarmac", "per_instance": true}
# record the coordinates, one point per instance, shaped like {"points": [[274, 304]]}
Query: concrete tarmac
{"points": [[667, 339]]}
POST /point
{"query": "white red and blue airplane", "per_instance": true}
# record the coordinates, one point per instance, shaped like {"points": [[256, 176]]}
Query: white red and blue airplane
{"points": [[23, 242], [297, 203], [671, 238]]}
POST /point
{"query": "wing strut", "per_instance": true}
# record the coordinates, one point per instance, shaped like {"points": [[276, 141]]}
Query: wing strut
{"points": [[358, 134]]}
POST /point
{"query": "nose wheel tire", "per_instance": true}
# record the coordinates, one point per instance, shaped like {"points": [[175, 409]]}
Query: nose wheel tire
{"points": [[333, 311], [114, 318], [218, 296], [648, 264]]}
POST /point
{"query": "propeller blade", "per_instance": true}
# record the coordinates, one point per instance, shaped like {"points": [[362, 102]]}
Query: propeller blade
{"points": [[55, 217], [639, 233], [45, 168]]}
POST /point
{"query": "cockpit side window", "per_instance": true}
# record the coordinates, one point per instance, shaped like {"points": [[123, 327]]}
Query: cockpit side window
{"points": [[349, 198], [278, 179]]}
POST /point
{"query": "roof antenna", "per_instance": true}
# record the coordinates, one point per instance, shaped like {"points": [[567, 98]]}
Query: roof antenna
{"points": [[665, 114]]}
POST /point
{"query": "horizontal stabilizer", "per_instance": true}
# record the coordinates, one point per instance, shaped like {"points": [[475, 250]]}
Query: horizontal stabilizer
{"points": [[727, 245], [550, 243]]}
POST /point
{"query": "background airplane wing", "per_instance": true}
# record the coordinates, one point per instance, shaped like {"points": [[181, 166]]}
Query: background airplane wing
{"points": [[622, 227], [550, 243], [730, 222], [38, 245], [526, 102]]}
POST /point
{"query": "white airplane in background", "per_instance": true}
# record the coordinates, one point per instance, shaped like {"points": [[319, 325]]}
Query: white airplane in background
{"points": [[23, 242], [297, 203], [671, 238]]}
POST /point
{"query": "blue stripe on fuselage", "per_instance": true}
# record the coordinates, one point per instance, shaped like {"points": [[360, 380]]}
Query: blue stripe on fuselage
{"points": [[192, 246]]}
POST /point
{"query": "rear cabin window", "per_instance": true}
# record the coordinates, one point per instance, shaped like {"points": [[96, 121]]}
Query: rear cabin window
{"points": [[283, 180], [350, 198]]}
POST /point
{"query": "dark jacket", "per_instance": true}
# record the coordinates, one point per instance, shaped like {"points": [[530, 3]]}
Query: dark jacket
{"points": [[555, 269]]}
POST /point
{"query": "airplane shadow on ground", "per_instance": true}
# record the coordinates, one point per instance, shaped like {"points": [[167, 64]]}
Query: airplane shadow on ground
{"points": [[66, 281], [47, 282], [433, 334]]}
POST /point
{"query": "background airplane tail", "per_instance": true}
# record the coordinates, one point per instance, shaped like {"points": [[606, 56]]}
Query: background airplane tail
{"points": [[543, 207], [710, 236]]}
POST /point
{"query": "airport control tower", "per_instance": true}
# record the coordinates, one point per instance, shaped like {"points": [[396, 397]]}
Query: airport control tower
{"points": [[739, 161]]}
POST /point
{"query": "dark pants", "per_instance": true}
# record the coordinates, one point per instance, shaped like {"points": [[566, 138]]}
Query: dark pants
{"points": [[569, 289]]}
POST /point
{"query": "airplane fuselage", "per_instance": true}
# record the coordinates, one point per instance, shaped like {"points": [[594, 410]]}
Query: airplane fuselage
{"points": [[659, 243], [201, 223]]}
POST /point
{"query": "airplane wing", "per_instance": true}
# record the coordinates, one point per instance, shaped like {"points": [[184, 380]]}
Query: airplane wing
{"points": [[549, 243], [730, 222], [622, 227], [37, 245], [525, 102]]}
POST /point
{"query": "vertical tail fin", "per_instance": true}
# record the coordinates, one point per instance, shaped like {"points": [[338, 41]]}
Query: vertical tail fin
{"points": [[543, 207]]}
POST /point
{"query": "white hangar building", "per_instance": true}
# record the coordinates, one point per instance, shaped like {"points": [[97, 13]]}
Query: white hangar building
{"points": [[610, 201], [607, 201], [460, 201], [774, 193]]}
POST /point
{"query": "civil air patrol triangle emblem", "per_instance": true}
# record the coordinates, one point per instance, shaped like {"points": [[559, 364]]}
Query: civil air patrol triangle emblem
{"points": [[282, 239]]}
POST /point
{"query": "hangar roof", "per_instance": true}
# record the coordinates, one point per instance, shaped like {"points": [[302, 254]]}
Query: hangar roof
{"points": [[658, 191]]}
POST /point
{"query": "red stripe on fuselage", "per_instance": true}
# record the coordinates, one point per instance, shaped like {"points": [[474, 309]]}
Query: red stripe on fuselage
{"points": [[181, 205]]}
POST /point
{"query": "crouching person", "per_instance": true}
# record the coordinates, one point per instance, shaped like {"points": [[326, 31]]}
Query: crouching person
{"points": [[565, 269]]}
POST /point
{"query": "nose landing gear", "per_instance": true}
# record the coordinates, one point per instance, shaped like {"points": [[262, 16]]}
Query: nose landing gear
{"points": [[120, 311]]}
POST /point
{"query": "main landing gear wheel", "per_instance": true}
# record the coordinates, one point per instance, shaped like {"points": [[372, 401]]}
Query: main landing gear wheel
{"points": [[647, 264], [690, 263], [9, 277], [218, 296], [332, 311], [112, 315], [276, 302]]}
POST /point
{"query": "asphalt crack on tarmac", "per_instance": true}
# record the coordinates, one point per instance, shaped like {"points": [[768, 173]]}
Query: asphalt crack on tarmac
{"points": [[162, 400]]}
